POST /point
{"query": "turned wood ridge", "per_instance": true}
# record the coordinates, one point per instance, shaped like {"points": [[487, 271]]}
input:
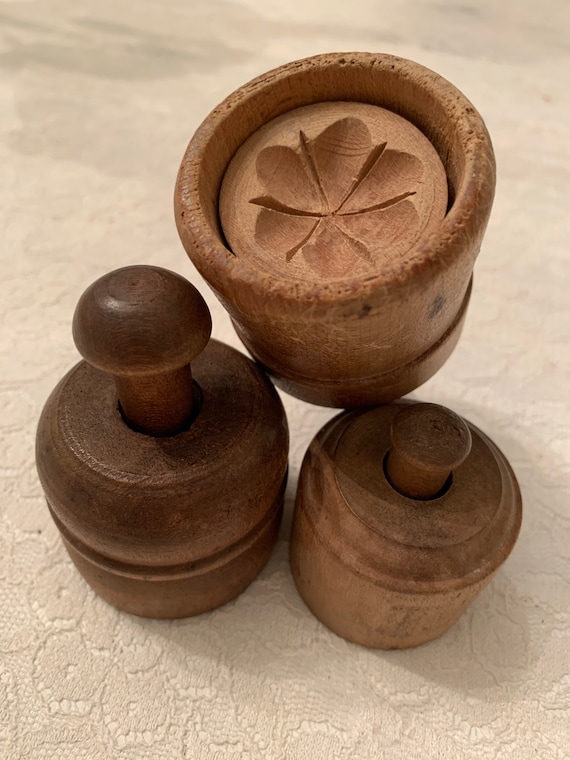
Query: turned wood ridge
{"points": [[144, 325]]}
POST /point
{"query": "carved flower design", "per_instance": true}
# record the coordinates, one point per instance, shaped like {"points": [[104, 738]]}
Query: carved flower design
{"points": [[337, 200]]}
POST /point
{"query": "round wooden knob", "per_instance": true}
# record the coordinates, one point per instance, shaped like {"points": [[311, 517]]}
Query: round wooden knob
{"points": [[428, 443], [144, 325]]}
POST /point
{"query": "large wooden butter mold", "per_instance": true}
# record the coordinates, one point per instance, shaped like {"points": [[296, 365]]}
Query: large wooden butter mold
{"points": [[336, 206]]}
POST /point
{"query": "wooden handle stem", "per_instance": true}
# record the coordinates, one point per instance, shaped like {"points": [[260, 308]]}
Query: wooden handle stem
{"points": [[144, 325], [157, 405], [428, 443]]}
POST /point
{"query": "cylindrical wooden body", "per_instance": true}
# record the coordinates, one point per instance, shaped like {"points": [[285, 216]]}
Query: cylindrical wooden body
{"points": [[360, 340], [167, 527], [384, 570]]}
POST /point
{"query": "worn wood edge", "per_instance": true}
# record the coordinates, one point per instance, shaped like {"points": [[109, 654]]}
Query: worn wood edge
{"points": [[464, 223]]}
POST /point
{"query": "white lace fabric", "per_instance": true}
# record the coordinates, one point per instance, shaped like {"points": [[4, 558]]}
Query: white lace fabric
{"points": [[97, 102]]}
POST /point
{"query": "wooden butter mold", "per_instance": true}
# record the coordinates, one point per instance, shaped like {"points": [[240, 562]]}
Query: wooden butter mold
{"points": [[163, 456], [336, 206], [404, 514]]}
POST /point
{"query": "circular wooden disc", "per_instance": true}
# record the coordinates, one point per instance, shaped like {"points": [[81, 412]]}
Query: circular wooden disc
{"points": [[332, 191]]}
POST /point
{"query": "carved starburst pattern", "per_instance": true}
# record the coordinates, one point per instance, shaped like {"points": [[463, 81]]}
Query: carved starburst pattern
{"points": [[337, 200]]}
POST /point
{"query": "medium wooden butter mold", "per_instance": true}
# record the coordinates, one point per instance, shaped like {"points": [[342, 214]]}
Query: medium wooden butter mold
{"points": [[163, 456]]}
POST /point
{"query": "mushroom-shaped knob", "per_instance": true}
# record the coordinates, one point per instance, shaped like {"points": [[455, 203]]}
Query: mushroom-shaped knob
{"points": [[144, 325], [428, 443]]}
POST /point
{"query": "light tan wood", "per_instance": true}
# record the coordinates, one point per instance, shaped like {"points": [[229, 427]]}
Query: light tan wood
{"points": [[378, 567], [332, 190], [366, 323], [180, 521]]}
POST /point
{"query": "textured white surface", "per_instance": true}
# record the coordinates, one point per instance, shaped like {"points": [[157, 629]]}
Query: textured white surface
{"points": [[97, 103]]}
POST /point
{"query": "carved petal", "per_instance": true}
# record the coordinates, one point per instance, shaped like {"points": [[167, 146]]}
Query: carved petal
{"points": [[281, 233], [330, 253], [395, 227], [339, 154], [283, 175], [394, 174]]}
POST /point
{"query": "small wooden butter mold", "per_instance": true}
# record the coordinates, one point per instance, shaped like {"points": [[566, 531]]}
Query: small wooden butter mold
{"points": [[336, 206], [403, 515], [163, 455]]}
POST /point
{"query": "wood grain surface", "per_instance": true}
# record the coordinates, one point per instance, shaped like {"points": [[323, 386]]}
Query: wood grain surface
{"points": [[355, 189], [379, 567], [166, 525]]}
